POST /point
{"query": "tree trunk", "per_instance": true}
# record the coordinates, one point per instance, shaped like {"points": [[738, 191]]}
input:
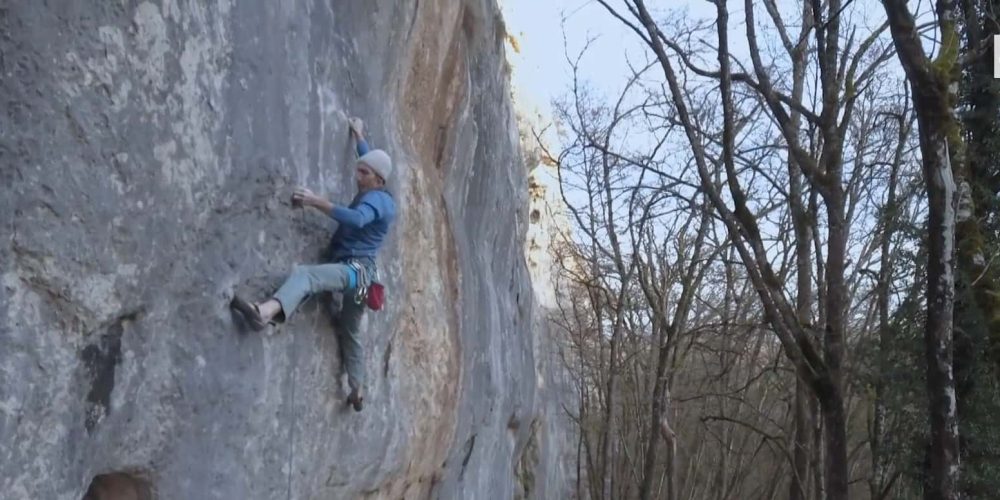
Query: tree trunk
{"points": [[656, 415], [835, 434], [803, 440], [944, 457], [930, 82], [817, 457], [799, 485], [610, 445], [880, 466]]}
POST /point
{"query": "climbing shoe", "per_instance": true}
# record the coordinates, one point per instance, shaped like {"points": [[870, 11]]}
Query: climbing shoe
{"points": [[354, 399], [249, 312]]}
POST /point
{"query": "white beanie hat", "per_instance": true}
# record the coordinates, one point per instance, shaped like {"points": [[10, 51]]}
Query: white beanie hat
{"points": [[379, 162]]}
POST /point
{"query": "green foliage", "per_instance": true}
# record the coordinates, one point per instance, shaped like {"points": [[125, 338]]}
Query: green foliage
{"points": [[978, 241], [905, 397], [977, 287]]}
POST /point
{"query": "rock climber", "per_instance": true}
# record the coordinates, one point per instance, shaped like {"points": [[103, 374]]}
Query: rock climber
{"points": [[362, 228]]}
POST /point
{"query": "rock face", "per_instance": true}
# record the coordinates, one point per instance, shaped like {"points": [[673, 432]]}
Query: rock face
{"points": [[147, 154]]}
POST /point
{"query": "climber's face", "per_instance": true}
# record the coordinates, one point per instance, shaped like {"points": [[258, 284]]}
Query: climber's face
{"points": [[367, 178]]}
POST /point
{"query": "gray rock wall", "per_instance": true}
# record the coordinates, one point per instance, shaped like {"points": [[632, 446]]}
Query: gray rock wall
{"points": [[147, 155]]}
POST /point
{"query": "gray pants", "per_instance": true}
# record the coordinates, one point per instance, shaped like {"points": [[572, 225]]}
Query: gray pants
{"points": [[308, 280]]}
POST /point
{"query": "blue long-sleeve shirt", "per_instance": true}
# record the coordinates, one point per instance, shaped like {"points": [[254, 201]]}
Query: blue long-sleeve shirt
{"points": [[364, 223]]}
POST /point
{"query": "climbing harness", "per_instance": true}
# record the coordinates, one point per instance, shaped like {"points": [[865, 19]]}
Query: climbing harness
{"points": [[370, 290]]}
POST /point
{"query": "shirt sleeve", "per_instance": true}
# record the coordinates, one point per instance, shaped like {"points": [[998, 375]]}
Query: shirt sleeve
{"points": [[365, 213], [363, 147]]}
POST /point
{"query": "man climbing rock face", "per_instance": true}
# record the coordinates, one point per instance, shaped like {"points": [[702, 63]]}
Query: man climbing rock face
{"points": [[362, 228]]}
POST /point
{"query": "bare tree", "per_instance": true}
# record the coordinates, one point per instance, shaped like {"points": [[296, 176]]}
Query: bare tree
{"points": [[735, 247], [842, 72], [934, 84]]}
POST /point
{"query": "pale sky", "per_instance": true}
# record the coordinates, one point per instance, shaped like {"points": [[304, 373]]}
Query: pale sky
{"points": [[547, 29]]}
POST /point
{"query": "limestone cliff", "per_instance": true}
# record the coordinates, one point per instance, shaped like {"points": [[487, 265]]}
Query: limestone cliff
{"points": [[147, 155]]}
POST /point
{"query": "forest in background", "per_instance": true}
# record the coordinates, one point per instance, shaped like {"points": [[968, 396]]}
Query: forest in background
{"points": [[779, 278]]}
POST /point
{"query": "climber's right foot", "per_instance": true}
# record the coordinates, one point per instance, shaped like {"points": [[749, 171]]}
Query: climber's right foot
{"points": [[249, 312]]}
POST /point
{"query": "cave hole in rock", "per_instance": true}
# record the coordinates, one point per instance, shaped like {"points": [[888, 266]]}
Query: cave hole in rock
{"points": [[118, 486]]}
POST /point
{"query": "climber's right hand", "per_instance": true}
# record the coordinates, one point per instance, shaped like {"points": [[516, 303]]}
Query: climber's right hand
{"points": [[302, 197]]}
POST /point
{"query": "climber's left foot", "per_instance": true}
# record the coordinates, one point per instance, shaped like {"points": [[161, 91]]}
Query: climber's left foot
{"points": [[355, 399], [249, 312]]}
